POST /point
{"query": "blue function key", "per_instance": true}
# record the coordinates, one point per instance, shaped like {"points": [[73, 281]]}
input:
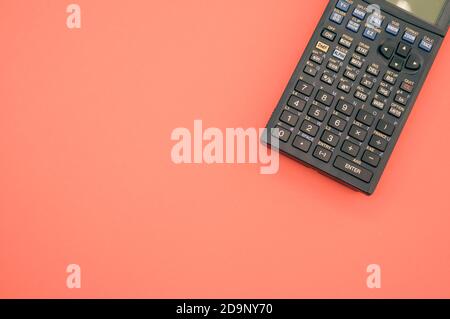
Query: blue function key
{"points": [[343, 5], [370, 34], [340, 54], [392, 28], [410, 36], [353, 26], [426, 44], [336, 17], [359, 13]]}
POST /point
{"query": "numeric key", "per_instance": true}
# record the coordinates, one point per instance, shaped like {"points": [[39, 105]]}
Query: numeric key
{"points": [[345, 107], [317, 112], [330, 138], [337, 123], [296, 103], [289, 118], [309, 128], [324, 97], [304, 88], [281, 133]]}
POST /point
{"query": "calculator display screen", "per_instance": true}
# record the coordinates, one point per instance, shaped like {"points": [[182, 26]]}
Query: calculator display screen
{"points": [[428, 10]]}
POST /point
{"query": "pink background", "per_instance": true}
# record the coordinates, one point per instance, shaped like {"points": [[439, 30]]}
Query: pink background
{"points": [[86, 175]]}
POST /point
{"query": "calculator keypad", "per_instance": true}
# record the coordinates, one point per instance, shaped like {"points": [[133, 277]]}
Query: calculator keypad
{"points": [[352, 91]]}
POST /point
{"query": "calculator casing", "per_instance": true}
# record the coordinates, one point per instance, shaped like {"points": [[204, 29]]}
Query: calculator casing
{"points": [[437, 32]]}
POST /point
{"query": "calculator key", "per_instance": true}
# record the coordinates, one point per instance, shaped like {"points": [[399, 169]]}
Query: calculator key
{"points": [[322, 46], [309, 128], [344, 86], [413, 62], [302, 144], [407, 86], [375, 20], [317, 112], [397, 63], [330, 138], [403, 50], [310, 71], [345, 107], [401, 99], [356, 63], [336, 17], [372, 70], [366, 82], [316, 58], [339, 54], [362, 50], [349, 74], [328, 79], [359, 13], [296, 103], [357, 133], [337, 123], [289, 118], [409, 36], [371, 158], [392, 29], [426, 44], [396, 110], [304, 88], [350, 148], [344, 41], [370, 34], [343, 5], [324, 97], [389, 78], [281, 133], [323, 154], [333, 67], [378, 143], [365, 118], [353, 169], [387, 49], [383, 89], [361, 95], [353, 26], [378, 104], [329, 35], [385, 127]]}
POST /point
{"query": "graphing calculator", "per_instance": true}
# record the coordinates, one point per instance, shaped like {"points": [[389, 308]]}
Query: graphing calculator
{"points": [[355, 85]]}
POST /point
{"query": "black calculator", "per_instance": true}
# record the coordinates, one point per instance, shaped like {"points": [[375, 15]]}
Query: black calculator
{"points": [[355, 85]]}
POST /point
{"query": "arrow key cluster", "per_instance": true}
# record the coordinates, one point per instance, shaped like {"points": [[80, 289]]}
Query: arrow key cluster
{"points": [[400, 55]]}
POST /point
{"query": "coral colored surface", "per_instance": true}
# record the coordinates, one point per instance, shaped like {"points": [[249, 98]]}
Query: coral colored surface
{"points": [[86, 175]]}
